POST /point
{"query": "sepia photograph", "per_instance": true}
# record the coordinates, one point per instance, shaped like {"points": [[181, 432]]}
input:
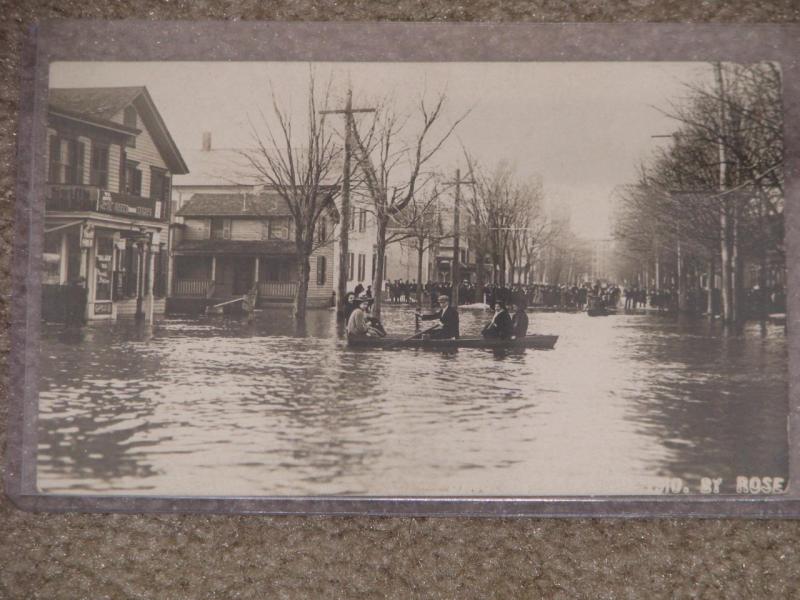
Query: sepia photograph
{"points": [[414, 279]]}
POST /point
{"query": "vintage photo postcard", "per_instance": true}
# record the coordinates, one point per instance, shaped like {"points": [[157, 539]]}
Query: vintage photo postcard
{"points": [[490, 281]]}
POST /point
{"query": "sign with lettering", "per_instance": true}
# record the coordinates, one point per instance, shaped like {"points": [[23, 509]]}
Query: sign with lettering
{"points": [[103, 308]]}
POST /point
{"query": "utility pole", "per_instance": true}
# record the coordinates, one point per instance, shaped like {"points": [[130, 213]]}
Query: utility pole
{"points": [[344, 230], [725, 250], [455, 266]]}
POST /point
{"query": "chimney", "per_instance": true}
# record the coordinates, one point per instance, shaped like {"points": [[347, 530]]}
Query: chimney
{"points": [[206, 141]]}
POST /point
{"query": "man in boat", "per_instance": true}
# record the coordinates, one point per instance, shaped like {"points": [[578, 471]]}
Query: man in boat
{"points": [[519, 322], [448, 318], [500, 327]]}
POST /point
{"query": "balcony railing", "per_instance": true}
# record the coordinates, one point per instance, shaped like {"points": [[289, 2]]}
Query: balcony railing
{"points": [[277, 289], [90, 198]]}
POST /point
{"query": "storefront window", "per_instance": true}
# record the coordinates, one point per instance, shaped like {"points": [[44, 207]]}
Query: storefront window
{"points": [[103, 265], [51, 259]]}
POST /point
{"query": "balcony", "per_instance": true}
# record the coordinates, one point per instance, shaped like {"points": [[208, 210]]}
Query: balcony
{"points": [[90, 198]]}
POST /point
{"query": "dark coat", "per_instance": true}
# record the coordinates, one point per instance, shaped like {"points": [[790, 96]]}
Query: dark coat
{"points": [[519, 323], [449, 321], [499, 327]]}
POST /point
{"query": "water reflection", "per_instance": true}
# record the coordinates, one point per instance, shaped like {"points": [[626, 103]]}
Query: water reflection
{"points": [[222, 406]]}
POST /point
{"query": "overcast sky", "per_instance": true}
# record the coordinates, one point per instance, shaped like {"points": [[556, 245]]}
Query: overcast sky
{"points": [[580, 127]]}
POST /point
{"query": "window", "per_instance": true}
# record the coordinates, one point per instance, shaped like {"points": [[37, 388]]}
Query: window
{"points": [[349, 266], [98, 173], [220, 228], [362, 263], [103, 267], [321, 270], [160, 275], [66, 161], [362, 220], [159, 190], [159, 185], [130, 118], [322, 230], [129, 265], [374, 263], [51, 259], [133, 178], [352, 218], [279, 229]]}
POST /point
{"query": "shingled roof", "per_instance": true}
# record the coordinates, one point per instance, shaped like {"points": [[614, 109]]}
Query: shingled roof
{"points": [[203, 247], [100, 105], [263, 204]]}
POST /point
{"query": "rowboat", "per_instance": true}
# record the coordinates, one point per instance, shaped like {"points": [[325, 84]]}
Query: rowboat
{"points": [[600, 312], [539, 342]]}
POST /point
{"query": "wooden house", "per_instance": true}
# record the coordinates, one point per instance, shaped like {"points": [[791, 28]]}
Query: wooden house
{"points": [[227, 244], [110, 160]]}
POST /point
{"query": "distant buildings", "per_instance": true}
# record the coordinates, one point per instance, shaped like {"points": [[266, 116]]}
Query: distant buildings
{"points": [[110, 161]]}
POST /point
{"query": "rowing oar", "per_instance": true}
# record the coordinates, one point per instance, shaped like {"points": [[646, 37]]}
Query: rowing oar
{"points": [[411, 337]]}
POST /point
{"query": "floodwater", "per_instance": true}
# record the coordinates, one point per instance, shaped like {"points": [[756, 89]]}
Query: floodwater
{"points": [[217, 406]]}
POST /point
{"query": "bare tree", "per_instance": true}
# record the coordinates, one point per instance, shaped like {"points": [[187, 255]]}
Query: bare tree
{"points": [[494, 209], [305, 176], [421, 224], [394, 170], [715, 194]]}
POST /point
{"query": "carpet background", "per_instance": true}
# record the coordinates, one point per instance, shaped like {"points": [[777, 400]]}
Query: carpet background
{"points": [[115, 556]]}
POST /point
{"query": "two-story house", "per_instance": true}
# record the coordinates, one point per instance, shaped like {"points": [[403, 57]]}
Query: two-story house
{"points": [[225, 244], [110, 160]]}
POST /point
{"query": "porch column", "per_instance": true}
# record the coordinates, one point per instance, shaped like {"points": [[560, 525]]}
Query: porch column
{"points": [[151, 256], [64, 260], [213, 267], [170, 262], [257, 264]]}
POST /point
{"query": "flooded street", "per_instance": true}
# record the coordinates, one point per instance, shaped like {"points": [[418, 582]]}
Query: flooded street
{"points": [[217, 406]]}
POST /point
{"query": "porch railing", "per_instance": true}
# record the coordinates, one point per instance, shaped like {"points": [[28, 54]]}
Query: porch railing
{"points": [[193, 288], [277, 289]]}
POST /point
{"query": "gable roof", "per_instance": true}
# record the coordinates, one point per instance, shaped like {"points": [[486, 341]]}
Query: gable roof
{"points": [[262, 204], [100, 105], [217, 167]]}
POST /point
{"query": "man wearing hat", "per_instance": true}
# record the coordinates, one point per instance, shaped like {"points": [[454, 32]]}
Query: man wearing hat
{"points": [[448, 317]]}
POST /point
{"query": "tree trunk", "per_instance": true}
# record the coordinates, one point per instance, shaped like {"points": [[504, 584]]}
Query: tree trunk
{"points": [[420, 256], [380, 254], [480, 274], [683, 296], [301, 296], [711, 277], [658, 272], [725, 267], [737, 270]]}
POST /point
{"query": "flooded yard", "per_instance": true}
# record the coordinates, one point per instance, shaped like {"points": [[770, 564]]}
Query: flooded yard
{"points": [[218, 406]]}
